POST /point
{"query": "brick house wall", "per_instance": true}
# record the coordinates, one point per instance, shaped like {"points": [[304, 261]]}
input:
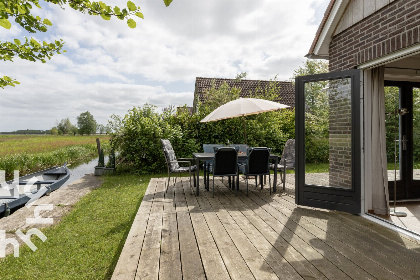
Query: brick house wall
{"points": [[390, 29]]}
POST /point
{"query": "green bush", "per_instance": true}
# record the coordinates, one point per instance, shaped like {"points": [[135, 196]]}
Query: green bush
{"points": [[317, 150], [137, 135]]}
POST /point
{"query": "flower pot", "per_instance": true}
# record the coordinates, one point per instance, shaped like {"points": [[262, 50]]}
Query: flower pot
{"points": [[99, 170], [109, 170]]}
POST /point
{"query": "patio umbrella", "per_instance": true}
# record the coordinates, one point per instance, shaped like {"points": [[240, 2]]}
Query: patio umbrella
{"points": [[242, 107]]}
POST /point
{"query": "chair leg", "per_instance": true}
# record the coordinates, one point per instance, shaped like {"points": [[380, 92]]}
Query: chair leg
{"points": [[208, 177], [269, 182], [189, 171], [237, 184], [284, 180], [213, 186], [169, 179], [246, 178]]}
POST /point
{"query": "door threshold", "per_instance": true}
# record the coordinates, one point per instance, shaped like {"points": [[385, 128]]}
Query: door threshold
{"points": [[391, 225], [405, 200]]}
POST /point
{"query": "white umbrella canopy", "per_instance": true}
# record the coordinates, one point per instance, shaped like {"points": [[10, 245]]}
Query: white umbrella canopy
{"points": [[242, 107]]}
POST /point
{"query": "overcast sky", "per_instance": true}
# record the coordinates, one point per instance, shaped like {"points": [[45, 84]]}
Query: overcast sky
{"points": [[110, 68]]}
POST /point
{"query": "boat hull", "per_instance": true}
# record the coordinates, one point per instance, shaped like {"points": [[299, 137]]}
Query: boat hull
{"points": [[52, 178]]}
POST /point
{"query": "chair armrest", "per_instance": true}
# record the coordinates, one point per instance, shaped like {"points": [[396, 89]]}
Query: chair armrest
{"points": [[182, 161]]}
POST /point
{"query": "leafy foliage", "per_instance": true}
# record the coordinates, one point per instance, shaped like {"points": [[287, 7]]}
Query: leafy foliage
{"points": [[22, 13], [392, 99], [65, 127], [137, 135], [86, 123]]}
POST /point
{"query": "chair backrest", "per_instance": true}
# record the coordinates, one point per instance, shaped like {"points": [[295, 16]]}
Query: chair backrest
{"points": [[225, 161], [170, 156], [258, 161], [289, 153]]}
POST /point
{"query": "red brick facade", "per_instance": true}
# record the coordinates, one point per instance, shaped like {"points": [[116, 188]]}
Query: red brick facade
{"points": [[390, 29]]}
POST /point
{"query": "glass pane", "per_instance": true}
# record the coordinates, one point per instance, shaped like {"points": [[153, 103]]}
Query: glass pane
{"points": [[416, 134], [328, 122], [392, 101]]}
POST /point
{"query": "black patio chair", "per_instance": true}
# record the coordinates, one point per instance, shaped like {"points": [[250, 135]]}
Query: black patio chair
{"points": [[209, 148], [257, 165], [225, 163], [287, 161], [173, 163]]}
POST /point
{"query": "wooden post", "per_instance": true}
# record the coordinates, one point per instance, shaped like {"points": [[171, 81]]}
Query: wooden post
{"points": [[98, 145]]}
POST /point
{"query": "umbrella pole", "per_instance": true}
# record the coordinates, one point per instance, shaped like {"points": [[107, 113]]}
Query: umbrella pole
{"points": [[243, 120]]}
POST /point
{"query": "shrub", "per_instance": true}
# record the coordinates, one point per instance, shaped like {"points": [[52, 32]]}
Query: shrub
{"points": [[138, 138]]}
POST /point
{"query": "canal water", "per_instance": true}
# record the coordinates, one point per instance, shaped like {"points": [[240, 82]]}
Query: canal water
{"points": [[80, 170]]}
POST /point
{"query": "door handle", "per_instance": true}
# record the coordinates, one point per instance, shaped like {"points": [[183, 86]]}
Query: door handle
{"points": [[404, 144]]}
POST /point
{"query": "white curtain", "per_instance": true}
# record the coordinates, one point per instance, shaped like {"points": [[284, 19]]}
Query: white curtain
{"points": [[376, 177]]}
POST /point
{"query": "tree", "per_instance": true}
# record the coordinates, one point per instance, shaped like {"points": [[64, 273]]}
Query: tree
{"points": [[65, 126], [54, 131], [86, 123], [32, 50], [100, 128], [74, 130]]}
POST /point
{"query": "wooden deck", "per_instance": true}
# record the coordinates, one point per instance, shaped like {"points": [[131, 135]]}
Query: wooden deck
{"points": [[176, 235]]}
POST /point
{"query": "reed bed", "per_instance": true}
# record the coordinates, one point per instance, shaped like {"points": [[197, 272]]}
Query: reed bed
{"points": [[33, 153], [34, 144]]}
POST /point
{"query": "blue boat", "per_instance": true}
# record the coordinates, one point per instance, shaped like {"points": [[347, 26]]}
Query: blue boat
{"points": [[15, 194]]}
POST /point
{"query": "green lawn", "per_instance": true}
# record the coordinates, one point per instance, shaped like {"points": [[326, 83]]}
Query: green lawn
{"points": [[87, 243]]}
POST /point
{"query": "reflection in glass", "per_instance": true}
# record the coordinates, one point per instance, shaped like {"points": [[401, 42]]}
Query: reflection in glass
{"points": [[328, 131], [416, 133], [392, 101]]}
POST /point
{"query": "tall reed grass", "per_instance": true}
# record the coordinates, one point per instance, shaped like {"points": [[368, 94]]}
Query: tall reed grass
{"points": [[28, 163], [47, 151]]}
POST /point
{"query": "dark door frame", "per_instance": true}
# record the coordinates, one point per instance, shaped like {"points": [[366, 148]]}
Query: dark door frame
{"points": [[407, 188], [348, 200]]}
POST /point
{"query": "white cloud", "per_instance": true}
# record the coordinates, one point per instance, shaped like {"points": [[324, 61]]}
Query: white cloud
{"points": [[109, 68]]}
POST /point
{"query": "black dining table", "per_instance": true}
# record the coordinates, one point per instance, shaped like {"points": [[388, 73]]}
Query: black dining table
{"points": [[210, 156]]}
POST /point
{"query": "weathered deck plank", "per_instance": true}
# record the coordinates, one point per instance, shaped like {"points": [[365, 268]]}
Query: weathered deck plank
{"points": [[235, 264], [148, 267], [127, 263], [192, 267], [170, 256], [256, 263], [212, 261], [176, 235], [367, 244]]}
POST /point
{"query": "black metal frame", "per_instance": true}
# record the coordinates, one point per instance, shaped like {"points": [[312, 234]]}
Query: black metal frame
{"points": [[407, 187], [348, 200]]}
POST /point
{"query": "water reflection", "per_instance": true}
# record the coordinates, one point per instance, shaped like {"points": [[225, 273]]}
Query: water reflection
{"points": [[79, 170]]}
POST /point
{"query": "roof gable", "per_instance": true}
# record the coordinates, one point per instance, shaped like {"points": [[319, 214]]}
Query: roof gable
{"points": [[248, 87], [339, 16]]}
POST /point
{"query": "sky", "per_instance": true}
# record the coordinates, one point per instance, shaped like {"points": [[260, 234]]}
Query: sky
{"points": [[110, 68]]}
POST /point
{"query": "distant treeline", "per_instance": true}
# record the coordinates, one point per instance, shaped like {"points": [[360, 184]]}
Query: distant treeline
{"points": [[28, 131]]}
